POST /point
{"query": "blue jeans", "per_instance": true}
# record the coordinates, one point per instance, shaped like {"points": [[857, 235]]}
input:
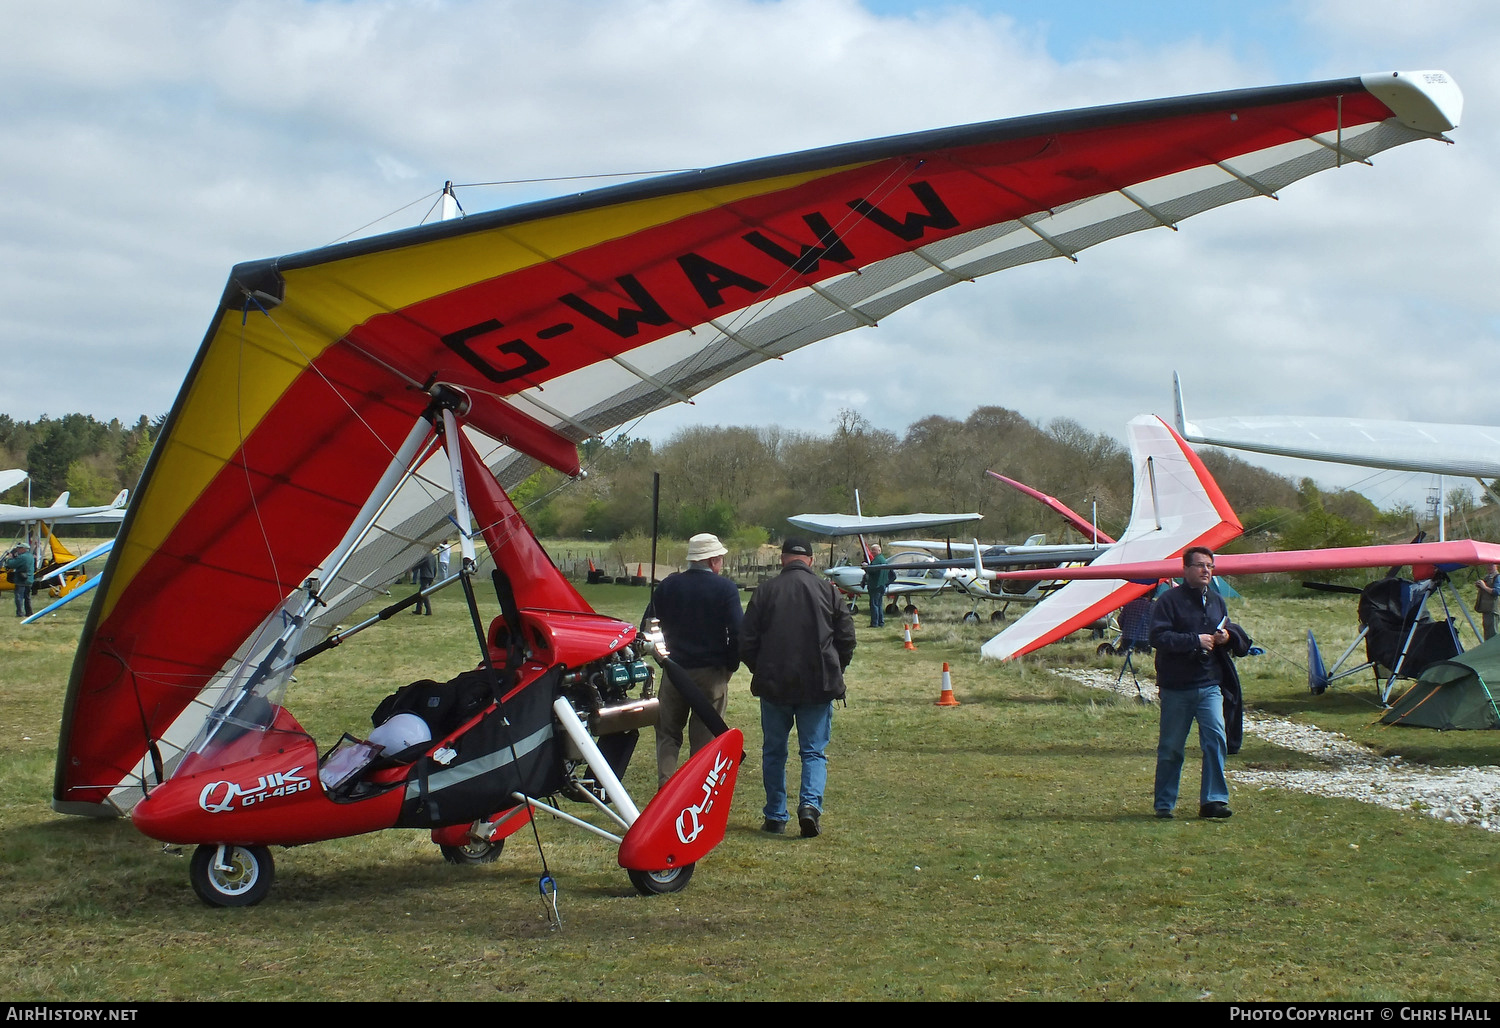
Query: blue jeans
{"points": [[877, 609], [1179, 708], [814, 728]]}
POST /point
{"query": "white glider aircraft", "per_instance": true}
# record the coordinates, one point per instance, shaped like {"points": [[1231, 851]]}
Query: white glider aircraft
{"points": [[911, 572]]}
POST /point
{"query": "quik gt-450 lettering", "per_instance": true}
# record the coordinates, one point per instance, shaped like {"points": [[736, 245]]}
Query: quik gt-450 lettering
{"points": [[221, 797], [688, 825]]}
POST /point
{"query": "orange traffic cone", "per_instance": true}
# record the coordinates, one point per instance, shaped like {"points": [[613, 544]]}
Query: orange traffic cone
{"points": [[638, 572], [591, 565], [946, 699], [916, 620], [906, 642]]}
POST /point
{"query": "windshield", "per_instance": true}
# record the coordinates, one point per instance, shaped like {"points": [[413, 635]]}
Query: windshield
{"points": [[252, 699]]}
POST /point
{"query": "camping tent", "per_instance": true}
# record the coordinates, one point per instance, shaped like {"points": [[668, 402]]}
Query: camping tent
{"points": [[1453, 693]]}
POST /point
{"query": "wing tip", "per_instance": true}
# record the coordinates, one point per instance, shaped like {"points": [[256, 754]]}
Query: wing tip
{"points": [[1428, 101], [102, 811]]}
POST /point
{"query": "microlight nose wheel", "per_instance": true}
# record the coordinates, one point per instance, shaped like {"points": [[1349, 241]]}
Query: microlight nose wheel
{"points": [[240, 878], [659, 883]]}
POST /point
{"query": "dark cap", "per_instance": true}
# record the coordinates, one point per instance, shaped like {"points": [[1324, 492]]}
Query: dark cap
{"points": [[797, 546]]}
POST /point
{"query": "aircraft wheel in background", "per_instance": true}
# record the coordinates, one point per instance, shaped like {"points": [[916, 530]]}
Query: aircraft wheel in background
{"points": [[853, 607], [971, 618], [997, 616], [892, 609], [475, 851], [659, 883], [1104, 650], [910, 610], [243, 882]]}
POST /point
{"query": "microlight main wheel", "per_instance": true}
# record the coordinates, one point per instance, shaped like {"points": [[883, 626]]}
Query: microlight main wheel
{"points": [[475, 851], [243, 881], [659, 883]]}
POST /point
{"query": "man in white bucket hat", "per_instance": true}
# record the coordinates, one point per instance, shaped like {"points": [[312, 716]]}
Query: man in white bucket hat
{"points": [[699, 610]]}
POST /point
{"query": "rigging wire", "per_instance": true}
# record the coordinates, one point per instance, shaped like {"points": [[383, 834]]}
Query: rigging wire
{"points": [[239, 427], [390, 214], [436, 195]]}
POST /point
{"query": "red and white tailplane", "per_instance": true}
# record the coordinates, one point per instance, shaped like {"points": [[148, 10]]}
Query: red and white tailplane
{"points": [[1177, 504]]}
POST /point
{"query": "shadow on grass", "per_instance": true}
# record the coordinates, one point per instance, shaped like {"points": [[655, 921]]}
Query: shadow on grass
{"points": [[1335, 703], [1410, 744], [64, 828], [1143, 816], [1069, 748]]}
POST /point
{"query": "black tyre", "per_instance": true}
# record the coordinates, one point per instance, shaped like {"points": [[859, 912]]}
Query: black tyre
{"points": [[659, 883], [997, 616], [853, 607], [971, 618], [475, 851], [244, 880], [1104, 650]]}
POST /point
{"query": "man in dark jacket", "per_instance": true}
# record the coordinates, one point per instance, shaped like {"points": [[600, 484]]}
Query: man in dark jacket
{"points": [[877, 577], [21, 563], [797, 638], [699, 611], [1194, 639], [426, 574]]}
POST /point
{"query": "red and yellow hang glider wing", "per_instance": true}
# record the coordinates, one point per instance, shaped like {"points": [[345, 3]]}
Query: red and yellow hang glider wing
{"points": [[565, 318]]}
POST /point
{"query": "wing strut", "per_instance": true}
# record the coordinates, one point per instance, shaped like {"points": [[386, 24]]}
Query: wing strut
{"points": [[735, 337], [940, 266], [1259, 187], [1062, 251], [849, 309], [1161, 218], [652, 380], [1155, 505]]}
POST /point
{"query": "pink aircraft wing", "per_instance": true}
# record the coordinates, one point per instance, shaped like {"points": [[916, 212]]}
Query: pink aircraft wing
{"points": [[1177, 504], [1446, 555], [1070, 515]]}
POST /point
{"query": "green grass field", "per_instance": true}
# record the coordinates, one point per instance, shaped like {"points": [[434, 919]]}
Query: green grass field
{"points": [[1003, 849]]}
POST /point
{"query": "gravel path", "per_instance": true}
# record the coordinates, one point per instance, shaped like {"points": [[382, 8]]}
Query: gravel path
{"points": [[1463, 795]]}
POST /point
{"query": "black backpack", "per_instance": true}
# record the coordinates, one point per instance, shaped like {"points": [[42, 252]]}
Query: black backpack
{"points": [[443, 705]]}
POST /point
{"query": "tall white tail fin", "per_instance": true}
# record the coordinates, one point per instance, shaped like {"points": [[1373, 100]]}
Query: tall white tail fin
{"points": [[1177, 504]]}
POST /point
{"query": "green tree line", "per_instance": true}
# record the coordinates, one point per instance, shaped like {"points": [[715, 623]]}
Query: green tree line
{"points": [[741, 483], [92, 460]]}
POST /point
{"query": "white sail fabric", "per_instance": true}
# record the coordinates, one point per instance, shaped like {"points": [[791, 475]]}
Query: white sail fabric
{"points": [[1176, 505]]}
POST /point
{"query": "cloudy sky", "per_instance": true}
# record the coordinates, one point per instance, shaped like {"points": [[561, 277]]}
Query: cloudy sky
{"points": [[149, 146]]}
